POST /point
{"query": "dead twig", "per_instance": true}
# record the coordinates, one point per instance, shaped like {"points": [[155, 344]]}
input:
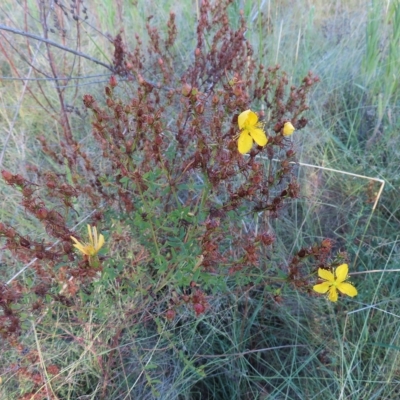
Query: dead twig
{"points": [[55, 44]]}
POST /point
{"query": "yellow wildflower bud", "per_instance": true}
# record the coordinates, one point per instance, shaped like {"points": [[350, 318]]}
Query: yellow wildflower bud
{"points": [[288, 129]]}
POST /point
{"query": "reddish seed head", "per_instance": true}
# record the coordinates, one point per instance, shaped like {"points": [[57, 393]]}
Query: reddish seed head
{"points": [[67, 246], [27, 191], [10, 232], [199, 108], [302, 122], [186, 90], [53, 369], [302, 253], [256, 179], [327, 243], [278, 126], [186, 298], [88, 101], [113, 81], [158, 127], [50, 184], [7, 175], [158, 140], [237, 91], [19, 180], [290, 153], [170, 315], [198, 308], [42, 213], [128, 146], [22, 241]]}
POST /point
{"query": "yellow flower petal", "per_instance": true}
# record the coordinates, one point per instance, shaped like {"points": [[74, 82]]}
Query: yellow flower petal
{"points": [[242, 119], [245, 142], [83, 249], [90, 234], [325, 274], [101, 242], [333, 294], [322, 287], [341, 273], [288, 129], [252, 118], [75, 240], [95, 238], [259, 136], [347, 288]]}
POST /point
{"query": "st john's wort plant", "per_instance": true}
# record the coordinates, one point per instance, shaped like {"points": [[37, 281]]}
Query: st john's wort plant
{"points": [[182, 159]]}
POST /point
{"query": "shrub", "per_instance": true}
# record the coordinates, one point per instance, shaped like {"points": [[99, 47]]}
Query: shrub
{"points": [[185, 215]]}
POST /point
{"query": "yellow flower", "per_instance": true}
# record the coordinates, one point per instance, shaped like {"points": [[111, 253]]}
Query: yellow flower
{"points": [[332, 284], [250, 129], [288, 129], [95, 243]]}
